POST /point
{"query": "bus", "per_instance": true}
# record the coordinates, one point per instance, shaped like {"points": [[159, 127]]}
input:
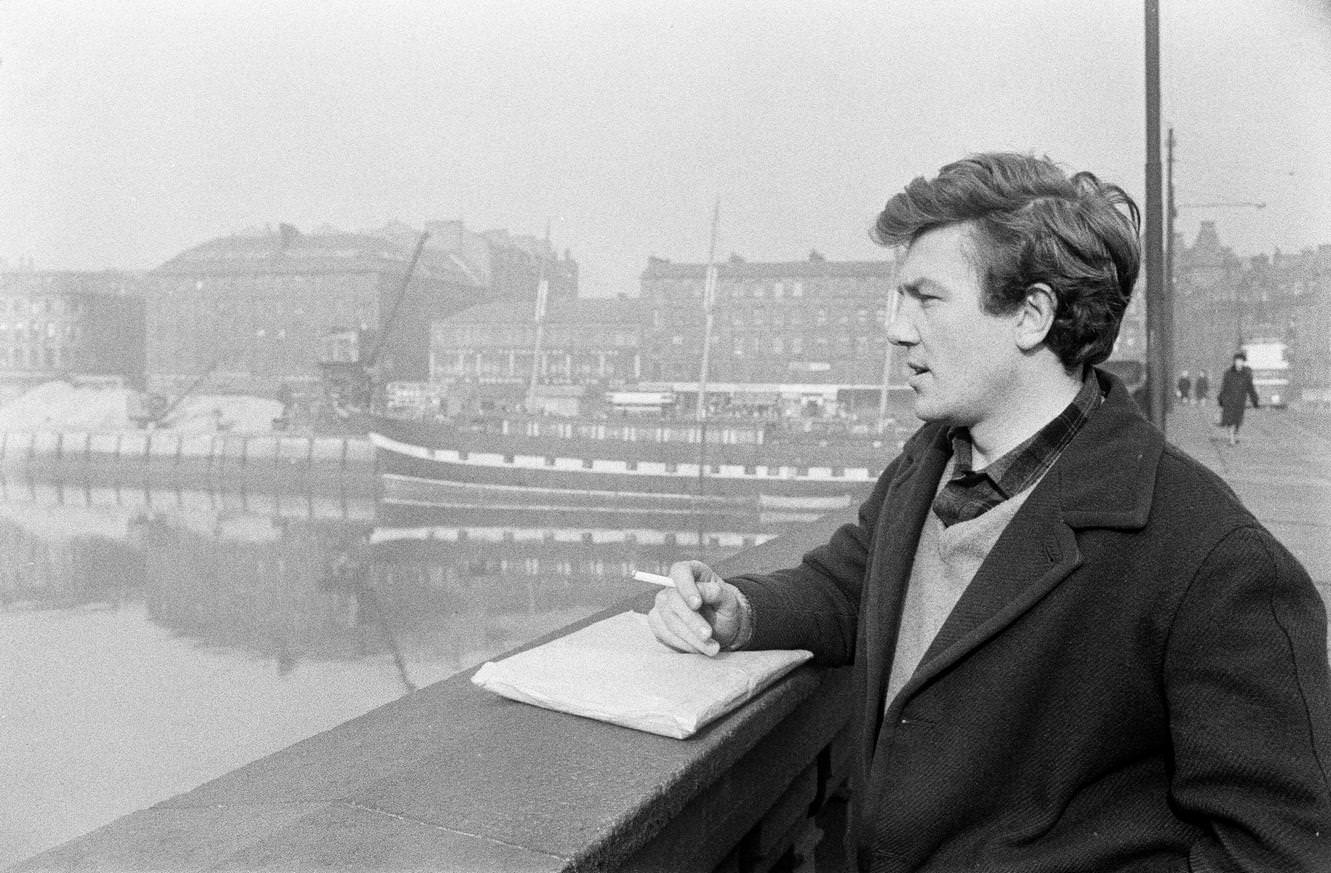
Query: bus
{"points": [[1270, 371]]}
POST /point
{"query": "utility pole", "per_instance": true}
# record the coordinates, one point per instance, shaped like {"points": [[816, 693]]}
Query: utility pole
{"points": [[1157, 300], [1170, 214]]}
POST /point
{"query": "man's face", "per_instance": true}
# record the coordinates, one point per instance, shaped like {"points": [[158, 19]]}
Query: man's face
{"points": [[960, 358]]}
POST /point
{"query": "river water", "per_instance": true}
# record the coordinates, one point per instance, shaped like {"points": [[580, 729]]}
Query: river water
{"points": [[152, 639]]}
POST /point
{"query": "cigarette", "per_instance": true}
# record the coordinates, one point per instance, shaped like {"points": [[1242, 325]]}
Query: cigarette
{"points": [[654, 578]]}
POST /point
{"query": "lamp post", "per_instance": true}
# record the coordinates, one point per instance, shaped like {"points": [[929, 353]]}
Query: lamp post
{"points": [[1158, 303]]}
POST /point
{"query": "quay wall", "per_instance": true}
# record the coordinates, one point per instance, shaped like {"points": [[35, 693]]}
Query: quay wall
{"points": [[169, 458], [451, 777]]}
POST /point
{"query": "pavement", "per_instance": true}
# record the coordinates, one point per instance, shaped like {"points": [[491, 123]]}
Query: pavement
{"points": [[1281, 469]]}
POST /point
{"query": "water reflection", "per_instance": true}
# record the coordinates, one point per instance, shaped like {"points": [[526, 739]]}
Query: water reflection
{"points": [[126, 613]]}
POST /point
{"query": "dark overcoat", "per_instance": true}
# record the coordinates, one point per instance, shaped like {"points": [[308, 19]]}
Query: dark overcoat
{"points": [[1135, 680], [1236, 389]]}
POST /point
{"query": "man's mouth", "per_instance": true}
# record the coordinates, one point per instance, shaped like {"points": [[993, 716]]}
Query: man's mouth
{"points": [[917, 369]]}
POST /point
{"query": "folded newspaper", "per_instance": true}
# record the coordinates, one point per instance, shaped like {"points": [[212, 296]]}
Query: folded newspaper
{"points": [[615, 670]]}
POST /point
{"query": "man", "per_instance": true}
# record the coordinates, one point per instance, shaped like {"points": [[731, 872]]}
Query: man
{"points": [[1236, 389], [1183, 388], [1074, 649], [1202, 389]]}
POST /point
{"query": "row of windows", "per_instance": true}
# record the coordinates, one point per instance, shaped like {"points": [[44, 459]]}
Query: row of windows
{"points": [[26, 305], [795, 344], [525, 336], [524, 354], [24, 331], [780, 316], [517, 366], [820, 316], [770, 290], [47, 359]]}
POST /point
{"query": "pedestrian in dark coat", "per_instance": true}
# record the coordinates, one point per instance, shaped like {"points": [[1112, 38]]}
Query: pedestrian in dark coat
{"points": [[1184, 387], [1236, 389], [1073, 649], [1202, 389]]}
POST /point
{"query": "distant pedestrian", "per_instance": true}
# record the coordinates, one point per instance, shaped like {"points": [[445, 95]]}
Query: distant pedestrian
{"points": [[1201, 389], [1236, 389], [1184, 388]]}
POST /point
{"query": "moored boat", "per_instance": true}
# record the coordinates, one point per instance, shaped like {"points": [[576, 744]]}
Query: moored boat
{"points": [[626, 463]]}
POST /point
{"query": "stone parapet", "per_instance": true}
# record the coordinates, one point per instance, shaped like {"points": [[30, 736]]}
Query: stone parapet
{"points": [[453, 778]]}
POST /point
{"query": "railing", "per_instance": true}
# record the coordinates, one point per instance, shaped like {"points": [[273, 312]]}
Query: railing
{"points": [[451, 777]]}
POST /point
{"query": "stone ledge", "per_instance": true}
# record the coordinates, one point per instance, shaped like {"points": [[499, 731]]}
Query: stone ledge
{"points": [[454, 778]]}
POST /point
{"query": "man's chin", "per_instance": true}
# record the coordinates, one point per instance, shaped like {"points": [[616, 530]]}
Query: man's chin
{"points": [[922, 409]]}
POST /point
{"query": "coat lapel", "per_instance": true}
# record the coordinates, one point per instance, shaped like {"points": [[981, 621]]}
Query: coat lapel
{"points": [[1102, 480], [1034, 554], [895, 541]]}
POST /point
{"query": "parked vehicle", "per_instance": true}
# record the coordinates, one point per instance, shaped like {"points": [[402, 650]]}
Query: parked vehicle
{"points": [[1270, 371]]}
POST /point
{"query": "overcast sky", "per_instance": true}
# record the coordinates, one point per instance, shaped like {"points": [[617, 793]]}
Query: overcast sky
{"points": [[132, 130]]}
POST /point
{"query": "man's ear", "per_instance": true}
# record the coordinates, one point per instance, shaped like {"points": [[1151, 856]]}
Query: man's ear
{"points": [[1035, 316]]}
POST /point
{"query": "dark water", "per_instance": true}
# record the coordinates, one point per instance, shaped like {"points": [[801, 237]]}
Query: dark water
{"points": [[153, 639]]}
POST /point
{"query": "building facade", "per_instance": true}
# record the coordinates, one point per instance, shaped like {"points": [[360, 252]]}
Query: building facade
{"points": [[60, 324], [1223, 302], [257, 309], [815, 329], [260, 309], [811, 321]]}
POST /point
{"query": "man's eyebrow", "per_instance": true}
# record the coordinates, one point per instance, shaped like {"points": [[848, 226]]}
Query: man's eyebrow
{"points": [[919, 286]]}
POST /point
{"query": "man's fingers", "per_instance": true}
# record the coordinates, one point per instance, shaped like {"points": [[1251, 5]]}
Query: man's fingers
{"points": [[680, 627], [681, 640], [684, 575], [665, 635]]}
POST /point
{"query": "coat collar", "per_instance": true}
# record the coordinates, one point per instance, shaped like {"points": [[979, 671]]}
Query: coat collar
{"points": [[1103, 478]]}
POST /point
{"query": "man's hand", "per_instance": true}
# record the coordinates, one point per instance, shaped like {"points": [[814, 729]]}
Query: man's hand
{"points": [[700, 614]]}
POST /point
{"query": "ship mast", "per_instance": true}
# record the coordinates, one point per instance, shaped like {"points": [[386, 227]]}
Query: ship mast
{"points": [[708, 304], [537, 361], [887, 352]]}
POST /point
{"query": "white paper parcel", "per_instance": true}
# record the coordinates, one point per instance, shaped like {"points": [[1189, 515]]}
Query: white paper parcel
{"points": [[617, 671]]}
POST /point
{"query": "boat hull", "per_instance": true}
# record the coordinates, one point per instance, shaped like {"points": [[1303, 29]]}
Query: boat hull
{"points": [[423, 464]]}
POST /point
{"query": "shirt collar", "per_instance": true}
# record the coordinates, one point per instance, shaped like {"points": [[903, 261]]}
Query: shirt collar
{"points": [[1023, 464]]}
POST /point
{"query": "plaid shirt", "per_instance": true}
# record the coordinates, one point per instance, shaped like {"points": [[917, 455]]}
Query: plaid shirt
{"points": [[970, 493]]}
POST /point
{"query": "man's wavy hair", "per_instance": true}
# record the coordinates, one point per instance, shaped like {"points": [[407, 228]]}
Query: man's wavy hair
{"points": [[1034, 223]]}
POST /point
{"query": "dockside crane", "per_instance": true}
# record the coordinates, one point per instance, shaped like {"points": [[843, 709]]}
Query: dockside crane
{"points": [[157, 407], [352, 386]]}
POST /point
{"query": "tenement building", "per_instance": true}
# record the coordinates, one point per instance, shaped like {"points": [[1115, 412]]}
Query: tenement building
{"points": [[811, 331], [61, 324], [256, 308], [815, 327], [1224, 303]]}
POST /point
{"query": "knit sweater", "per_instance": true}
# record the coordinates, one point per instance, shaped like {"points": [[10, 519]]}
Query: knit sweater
{"points": [[946, 561]]}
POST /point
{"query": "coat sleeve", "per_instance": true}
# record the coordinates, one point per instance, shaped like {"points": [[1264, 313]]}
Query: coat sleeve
{"points": [[1251, 389], [815, 606], [1249, 697]]}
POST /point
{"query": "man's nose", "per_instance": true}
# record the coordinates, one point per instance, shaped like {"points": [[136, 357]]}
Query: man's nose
{"points": [[900, 329]]}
